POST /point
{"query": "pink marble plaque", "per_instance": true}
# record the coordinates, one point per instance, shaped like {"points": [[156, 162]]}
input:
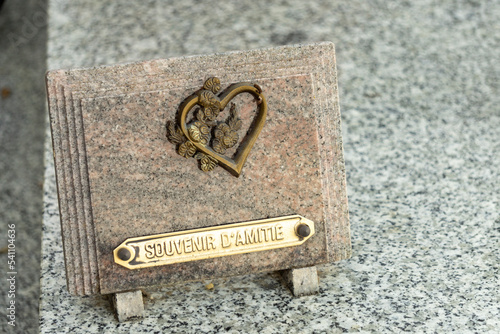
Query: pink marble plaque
{"points": [[119, 177]]}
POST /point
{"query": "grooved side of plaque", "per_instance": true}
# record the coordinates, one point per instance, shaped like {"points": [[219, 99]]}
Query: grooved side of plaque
{"points": [[73, 191], [79, 102]]}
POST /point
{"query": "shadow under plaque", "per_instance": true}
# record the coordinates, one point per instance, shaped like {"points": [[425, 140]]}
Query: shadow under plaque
{"points": [[199, 167]]}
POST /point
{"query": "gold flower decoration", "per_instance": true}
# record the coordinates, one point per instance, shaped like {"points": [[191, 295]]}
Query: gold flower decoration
{"points": [[205, 130], [211, 113], [225, 138], [208, 163], [208, 99], [187, 149], [212, 84], [199, 132], [211, 105]]}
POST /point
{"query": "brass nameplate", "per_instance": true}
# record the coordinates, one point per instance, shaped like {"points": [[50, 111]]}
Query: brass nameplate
{"points": [[206, 243]]}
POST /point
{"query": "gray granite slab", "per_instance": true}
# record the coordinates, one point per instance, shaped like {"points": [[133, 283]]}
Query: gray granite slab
{"points": [[418, 84]]}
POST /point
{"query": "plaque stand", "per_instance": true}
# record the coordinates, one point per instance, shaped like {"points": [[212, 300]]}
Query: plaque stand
{"points": [[128, 305], [302, 281]]}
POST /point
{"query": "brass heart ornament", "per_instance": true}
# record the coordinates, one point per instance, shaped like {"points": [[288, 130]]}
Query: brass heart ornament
{"points": [[207, 139]]}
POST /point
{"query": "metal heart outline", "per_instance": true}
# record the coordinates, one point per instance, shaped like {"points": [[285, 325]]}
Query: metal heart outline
{"points": [[234, 166]]}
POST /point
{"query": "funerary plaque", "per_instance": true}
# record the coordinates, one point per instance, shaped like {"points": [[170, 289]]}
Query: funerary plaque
{"points": [[199, 167]]}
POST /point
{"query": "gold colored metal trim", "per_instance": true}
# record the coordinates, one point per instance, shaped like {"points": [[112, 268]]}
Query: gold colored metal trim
{"points": [[206, 139], [211, 242]]}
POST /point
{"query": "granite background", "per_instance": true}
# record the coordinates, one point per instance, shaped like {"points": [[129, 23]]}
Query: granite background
{"points": [[419, 98]]}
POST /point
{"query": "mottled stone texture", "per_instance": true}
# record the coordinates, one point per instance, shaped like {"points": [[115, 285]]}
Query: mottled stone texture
{"points": [[118, 176], [128, 305]]}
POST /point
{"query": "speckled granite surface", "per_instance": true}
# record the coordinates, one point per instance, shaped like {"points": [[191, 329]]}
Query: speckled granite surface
{"points": [[418, 91]]}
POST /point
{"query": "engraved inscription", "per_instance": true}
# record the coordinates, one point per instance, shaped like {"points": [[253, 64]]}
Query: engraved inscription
{"points": [[212, 242], [180, 246]]}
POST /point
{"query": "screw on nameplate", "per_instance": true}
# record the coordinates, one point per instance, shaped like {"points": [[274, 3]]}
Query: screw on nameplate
{"points": [[303, 230], [208, 140]]}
